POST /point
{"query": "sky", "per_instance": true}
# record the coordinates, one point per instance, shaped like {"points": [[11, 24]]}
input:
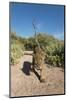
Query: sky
{"points": [[47, 18]]}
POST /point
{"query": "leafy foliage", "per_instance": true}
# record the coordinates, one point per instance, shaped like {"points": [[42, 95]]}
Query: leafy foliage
{"points": [[17, 49], [53, 48], [55, 54]]}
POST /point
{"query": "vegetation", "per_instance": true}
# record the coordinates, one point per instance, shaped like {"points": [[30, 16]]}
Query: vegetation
{"points": [[17, 48], [53, 48]]}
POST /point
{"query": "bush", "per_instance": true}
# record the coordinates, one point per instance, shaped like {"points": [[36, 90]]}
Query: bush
{"points": [[16, 52], [53, 48], [17, 49], [55, 54]]}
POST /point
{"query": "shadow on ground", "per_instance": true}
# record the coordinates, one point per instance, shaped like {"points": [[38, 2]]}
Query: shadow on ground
{"points": [[27, 69]]}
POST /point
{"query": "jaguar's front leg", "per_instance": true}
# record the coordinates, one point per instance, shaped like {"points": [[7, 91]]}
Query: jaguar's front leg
{"points": [[42, 74]]}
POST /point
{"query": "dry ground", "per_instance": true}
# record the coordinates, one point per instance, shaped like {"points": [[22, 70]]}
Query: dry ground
{"points": [[25, 82]]}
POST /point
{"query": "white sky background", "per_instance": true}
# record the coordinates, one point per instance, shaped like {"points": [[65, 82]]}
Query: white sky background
{"points": [[4, 50], [59, 35]]}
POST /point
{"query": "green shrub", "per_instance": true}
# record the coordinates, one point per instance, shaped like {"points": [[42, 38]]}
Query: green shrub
{"points": [[17, 49], [53, 48], [55, 54], [16, 52]]}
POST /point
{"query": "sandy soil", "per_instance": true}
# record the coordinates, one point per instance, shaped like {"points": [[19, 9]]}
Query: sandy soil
{"points": [[25, 82]]}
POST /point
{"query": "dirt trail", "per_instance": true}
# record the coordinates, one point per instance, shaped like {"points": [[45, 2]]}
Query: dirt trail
{"points": [[24, 82]]}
